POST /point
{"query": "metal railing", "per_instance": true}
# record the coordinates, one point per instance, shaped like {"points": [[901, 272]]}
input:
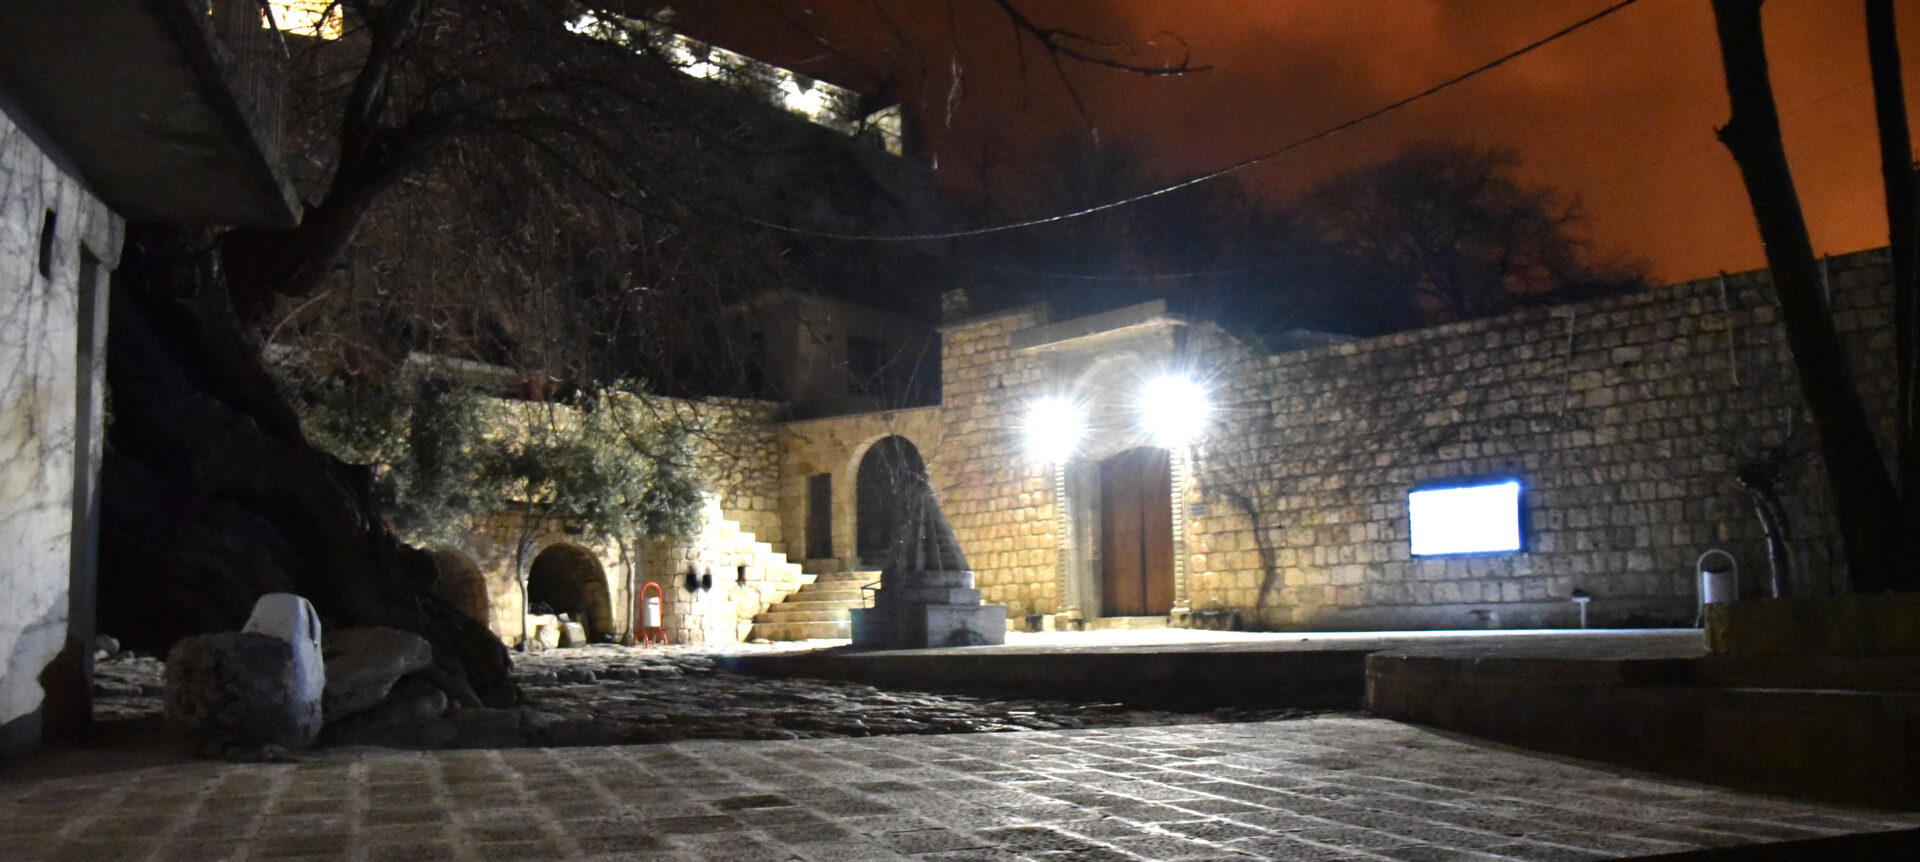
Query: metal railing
{"points": [[258, 76]]}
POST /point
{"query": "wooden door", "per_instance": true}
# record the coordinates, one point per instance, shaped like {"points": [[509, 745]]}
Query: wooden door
{"points": [[1136, 534]]}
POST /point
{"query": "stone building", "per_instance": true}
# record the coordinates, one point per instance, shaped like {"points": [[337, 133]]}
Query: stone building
{"points": [[157, 111], [1620, 423], [1623, 422]]}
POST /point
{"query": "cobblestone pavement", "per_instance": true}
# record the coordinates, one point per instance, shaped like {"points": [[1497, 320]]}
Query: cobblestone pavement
{"points": [[1320, 788], [608, 695]]}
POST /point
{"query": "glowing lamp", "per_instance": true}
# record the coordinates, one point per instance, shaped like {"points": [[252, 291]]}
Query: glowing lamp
{"points": [[1054, 428], [1174, 410]]}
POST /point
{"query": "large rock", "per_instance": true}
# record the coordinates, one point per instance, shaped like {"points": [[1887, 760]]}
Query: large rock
{"points": [[240, 688], [260, 686], [407, 717], [363, 664]]}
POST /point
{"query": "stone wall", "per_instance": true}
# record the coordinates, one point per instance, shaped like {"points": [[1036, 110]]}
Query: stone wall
{"points": [[835, 447], [57, 244], [1624, 419], [1000, 504], [713, 584], [739, 532]]}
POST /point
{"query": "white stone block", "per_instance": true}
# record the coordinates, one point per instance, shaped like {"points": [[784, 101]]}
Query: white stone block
{"points": [[291, 618]]}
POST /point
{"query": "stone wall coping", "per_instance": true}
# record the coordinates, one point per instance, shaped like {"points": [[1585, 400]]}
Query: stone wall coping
{"points": [[1038, 309], [1577, 310], [877, 415], [1120, 321]]}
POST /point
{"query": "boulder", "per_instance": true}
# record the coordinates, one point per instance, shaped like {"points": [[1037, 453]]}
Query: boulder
{"points": [[573, 634], [363, 664], [546, 636], [408, 716], [257, 687], [240, 688]]}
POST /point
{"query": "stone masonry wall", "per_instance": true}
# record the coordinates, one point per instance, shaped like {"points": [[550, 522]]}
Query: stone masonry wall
{"points": [[737, 543], [1000, 504], [733, 578], [836, 446], [1624, 419], [50, 388]]}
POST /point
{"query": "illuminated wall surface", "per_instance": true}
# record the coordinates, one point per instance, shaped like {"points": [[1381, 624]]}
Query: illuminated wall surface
{"points": [[49, 441], [1465, 520], [1622, 421]]}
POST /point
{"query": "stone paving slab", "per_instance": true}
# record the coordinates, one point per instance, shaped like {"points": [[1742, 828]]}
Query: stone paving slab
{"points": [[1339, 788]]}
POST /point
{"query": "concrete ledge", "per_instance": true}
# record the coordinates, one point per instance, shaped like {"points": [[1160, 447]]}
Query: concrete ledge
{"points": [[1846, 745], [1332, 678], [1887, 624]]}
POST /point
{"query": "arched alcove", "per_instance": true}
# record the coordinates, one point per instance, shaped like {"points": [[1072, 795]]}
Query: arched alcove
{"points": [[878, 486], [569, 578], [461, 584]]}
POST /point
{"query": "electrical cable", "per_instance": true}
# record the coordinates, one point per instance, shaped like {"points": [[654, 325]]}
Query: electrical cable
{"points": [[1218, 173]]}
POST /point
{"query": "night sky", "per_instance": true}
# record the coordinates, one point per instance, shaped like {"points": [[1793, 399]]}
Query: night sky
{"points": [[1620, 114]]}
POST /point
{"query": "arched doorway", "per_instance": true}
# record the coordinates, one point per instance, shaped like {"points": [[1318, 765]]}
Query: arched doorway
{"points": [[460, 583], [569, 579], [878, 486], [1136, 533]]}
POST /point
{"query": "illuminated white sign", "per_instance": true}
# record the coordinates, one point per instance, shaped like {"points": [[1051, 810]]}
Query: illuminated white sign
{"points": [[1473, 519]]}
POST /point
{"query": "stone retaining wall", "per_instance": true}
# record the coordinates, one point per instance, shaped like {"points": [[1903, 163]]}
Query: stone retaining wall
{"points": [[1625, 420]]}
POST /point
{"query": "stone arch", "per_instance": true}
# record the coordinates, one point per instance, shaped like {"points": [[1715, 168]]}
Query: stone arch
{"points": [[460, 582], [878, 485], [1108, 390], [571, 580]]}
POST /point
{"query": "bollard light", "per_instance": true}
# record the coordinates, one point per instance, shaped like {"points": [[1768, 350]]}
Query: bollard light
{"points": [[1053, 429], [1174, 410]]}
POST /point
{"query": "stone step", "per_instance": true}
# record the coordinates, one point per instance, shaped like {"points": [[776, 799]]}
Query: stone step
{"points": [[800, 631], [850, 577], [789, 615], [813, 602], [814, 593]]}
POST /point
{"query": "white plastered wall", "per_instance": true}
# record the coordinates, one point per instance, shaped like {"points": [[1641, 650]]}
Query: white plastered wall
{"points": [[48, 439]]}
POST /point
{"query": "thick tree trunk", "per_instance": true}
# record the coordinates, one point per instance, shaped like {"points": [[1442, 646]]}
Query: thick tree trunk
{"points": [[1865, 501], [1903, 240], [211, 496]]}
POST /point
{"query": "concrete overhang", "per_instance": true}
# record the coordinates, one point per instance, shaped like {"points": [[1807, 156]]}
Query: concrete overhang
{"points": [[1083, 332], [139, 96]]}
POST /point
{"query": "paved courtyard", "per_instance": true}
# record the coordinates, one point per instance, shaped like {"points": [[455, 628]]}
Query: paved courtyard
{"points": [[1321, 788]]}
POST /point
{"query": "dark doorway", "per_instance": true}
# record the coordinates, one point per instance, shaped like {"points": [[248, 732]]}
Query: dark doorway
{"points": [[878, 487], [1136, 533], [568, 578], [820, 516], [460, 583]]}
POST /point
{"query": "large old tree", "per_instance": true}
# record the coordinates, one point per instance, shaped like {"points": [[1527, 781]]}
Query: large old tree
{"points": [[479, 179], [1879, 514]]}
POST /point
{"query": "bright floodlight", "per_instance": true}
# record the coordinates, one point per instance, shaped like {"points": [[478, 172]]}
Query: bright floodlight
{"points": [[1054, 427], [1482, 518], [1174, 410]]}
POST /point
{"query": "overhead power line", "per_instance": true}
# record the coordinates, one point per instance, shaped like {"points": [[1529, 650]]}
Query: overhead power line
{"points": [[1236, 167]]}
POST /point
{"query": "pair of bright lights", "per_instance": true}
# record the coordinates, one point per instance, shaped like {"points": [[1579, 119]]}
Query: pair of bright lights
{"points": [[1173, 411]]}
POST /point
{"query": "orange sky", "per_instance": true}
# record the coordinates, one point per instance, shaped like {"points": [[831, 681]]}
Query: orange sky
{"points": [[1620, 114]]}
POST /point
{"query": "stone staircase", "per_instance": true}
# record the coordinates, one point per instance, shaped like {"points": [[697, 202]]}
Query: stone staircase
{"points": [[817, 610]]}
